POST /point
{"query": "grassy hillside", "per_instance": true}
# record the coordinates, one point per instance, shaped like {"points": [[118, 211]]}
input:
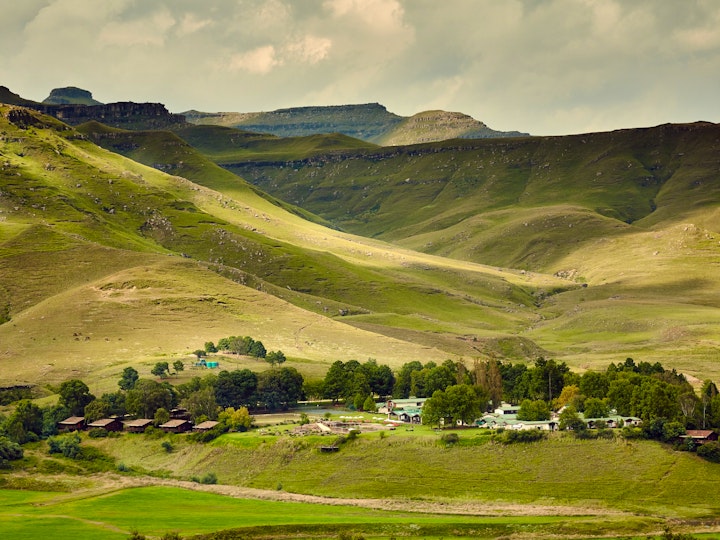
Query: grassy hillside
{"points": [[107, 262]]}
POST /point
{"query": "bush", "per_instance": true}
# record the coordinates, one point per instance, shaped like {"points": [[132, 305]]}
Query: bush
{"points": [[67, 445], [97, 433], [629, 432], [167, 446], [519, 436], [9, 451], [709, 451], [450, 438]]}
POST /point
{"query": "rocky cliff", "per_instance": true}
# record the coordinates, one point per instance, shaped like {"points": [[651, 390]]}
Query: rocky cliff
{"points": [[370, 122], [70, 95], [124, 114]]}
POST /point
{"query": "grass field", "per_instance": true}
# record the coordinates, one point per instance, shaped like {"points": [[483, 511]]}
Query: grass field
{"points": [[157, 510]]}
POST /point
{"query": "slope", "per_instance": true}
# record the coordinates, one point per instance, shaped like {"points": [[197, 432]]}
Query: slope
{"points": [[107, 262]]}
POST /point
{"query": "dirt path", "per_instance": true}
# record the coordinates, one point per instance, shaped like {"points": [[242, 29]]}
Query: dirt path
{"points": [[108, 483]]}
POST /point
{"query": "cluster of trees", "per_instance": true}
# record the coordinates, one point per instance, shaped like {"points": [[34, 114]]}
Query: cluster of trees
{"points": [[245, 346], [353, 383]]}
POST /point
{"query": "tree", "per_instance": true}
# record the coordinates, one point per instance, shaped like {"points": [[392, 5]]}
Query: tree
{"points": [[9, 451], [275, 357], [533, 411], [160, 369], [708, 391], [25, 423], [236, 419], [147, 397], [236, 388], [161, 416], [459, 403], [594, 384], [128, 378], [334, 384], [178, 366], [369, 405], [488, 377], [75, 395], [257, 349], [279, 389], [403, 381], [570, 395], [202, 403], [210, 347], [570, 419], [596, 408], [95, 410]]}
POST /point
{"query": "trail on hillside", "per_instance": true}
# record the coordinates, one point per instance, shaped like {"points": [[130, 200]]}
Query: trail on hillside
{"points": [[112, 482]]}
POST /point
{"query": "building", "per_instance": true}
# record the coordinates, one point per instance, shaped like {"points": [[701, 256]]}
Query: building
{"points": [[205, 426], [108, 424], [138, 426], [700, 436], [74, 423], [176, 426]]}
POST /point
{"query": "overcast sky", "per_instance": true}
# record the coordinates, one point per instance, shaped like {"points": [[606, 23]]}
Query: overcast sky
{"points": [[540, 66]]}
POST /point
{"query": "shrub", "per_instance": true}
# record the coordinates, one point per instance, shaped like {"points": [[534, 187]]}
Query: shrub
{"points": [[450, 438], [97, 433], [709, 451], [629, 432], [167, 446], [209, 478], [67, 445], [9, 451], [519, 436]]}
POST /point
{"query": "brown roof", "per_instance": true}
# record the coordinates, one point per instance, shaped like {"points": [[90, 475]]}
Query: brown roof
{"points": [[208, 424], [73, 420], [140, 422], [699, 433], [174, 423], [102, 422]]}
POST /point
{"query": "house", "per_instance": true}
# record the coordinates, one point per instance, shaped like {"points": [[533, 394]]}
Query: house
{"points": [[505, 409], [179, 413], [411, 416], [700, 436], [176, 426], [138, 426], [397, 405], [74, 423], [205, 426], [108, 424]]}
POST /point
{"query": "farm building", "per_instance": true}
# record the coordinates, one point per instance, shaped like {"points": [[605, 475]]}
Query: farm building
{"points": [[205, 426], [138, 426], [108, 424], [74, 423], [700, 436], [176, 426]]}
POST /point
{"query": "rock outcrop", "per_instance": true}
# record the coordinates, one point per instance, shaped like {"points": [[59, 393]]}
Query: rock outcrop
{"points": [[70, 95]]}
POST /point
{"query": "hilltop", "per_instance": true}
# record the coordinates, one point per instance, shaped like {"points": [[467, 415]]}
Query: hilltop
{"points": [[70, 95], [369, 122]]}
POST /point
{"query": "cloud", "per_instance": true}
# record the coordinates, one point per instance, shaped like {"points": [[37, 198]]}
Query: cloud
{"points": [[259, 61], [150, 30], [544, 66]]}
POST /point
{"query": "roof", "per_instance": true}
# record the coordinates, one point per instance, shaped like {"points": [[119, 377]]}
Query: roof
{"points": [[174, 423], [102, 422], [73, 420], [699, 433], [140, 422], [208, 424]]}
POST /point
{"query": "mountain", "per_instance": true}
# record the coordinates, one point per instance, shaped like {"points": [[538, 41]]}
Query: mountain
{"points": [[370, 122], [430, 126], [70, 95]]}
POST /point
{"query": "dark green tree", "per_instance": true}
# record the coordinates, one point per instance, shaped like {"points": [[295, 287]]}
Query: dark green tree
{"points": [[128, 378], [403, 380], [596, 408], [178, 366], [279, 389], [74, 396], [533, 411], [147, 397], [161, 369], [236, 388], [25, 423]]}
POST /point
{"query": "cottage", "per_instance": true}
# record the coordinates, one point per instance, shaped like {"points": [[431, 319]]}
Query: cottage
{"points": [[176, 426], [138, 426], [205, 426], [74, 423], [180, 413], [108, 424], [505, 409], [700, 436]]}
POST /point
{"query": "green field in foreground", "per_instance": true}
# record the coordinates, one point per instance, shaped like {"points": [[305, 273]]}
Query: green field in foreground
{"points": [[154, 511]]}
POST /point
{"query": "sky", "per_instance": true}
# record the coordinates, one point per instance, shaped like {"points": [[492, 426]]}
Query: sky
{"points": [[547, 67]]}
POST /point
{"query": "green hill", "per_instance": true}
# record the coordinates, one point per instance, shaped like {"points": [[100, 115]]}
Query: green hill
{"points": [[106, 262]]}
